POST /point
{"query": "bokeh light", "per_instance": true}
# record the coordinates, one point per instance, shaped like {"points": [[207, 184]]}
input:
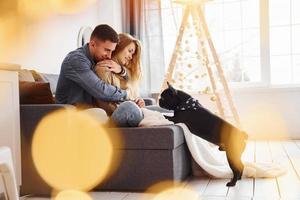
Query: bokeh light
{"points": [[34, 10], [71, 150], [168, 190], [72, 195], [16, 16], [11, 28], [263, 121], [70, 6]]}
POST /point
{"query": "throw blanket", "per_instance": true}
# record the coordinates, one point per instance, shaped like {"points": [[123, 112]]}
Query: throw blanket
{"points": [[207, 155]]}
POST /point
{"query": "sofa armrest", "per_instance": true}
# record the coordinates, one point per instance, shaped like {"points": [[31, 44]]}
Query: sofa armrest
{"points": [[31, 114], [149, 101]]}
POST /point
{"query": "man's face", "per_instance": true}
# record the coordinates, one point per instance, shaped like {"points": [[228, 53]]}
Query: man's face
{"points": [[101, 50]]}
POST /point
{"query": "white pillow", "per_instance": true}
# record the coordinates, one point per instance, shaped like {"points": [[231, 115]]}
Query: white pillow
{"points": [[25, 75]]}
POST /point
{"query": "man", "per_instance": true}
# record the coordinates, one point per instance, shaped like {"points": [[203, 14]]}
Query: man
{"points": [[79, 85]]}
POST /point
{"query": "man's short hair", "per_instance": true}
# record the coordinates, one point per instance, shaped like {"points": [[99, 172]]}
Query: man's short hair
{"points": [[105, 32]]}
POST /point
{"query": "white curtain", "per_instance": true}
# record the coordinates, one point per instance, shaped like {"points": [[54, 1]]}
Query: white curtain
{"points": [[153, 53], [142, 19]]}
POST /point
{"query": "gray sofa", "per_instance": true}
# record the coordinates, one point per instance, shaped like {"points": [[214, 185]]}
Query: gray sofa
{"points": [[149, 155]]}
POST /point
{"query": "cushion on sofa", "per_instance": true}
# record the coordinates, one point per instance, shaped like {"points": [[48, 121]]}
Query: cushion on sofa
{"points": [[34, 76], [35, 93], [25, 75], [52, 79], [37, 76]]}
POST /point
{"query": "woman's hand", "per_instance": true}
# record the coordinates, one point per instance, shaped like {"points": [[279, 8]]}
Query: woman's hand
{"points": [[140, 102], [110, 65]]}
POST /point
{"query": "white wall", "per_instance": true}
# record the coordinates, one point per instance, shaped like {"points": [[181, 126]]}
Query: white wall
{"points": [[54, 37], [267, 113], [273, 112]]}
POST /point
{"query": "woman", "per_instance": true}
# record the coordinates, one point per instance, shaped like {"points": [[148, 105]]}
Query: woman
{"points": [[128, 55]]}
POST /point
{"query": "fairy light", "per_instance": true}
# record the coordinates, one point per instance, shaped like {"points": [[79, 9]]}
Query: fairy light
{"points": [[213, 98], [186, 73]]}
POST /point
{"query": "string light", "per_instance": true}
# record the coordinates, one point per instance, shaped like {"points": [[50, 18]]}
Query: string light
{"points": [[213, 98], [188, 54], [203, 75], [206, 90], [188, 26]]}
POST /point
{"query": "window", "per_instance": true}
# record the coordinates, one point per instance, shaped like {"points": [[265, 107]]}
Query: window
{"points": [[234, 26], [284, 41], [240, 29]]}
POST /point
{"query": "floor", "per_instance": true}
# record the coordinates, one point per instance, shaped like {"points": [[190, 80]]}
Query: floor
{"points": [[283, 187]]}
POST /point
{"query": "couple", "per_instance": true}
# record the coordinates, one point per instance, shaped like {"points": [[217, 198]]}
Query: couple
{"points": [[104, 73]]}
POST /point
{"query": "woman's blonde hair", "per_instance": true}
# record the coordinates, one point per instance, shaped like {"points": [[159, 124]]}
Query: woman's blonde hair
{"points": [[133, 68], [134, 65]]}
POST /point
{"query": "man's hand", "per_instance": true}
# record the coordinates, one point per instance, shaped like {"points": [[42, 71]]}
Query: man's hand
{"points": [[110, 65], [140, 102]]}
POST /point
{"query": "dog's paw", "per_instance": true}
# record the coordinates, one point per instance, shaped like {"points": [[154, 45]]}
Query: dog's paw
{"points": [[231, 183]]}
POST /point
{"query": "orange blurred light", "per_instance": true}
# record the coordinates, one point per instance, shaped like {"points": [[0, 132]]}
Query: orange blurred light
{"points": [[71, 150], [72, 195], [70, 6], [167, 190], [34, 10], [11, 28], [17, 15], [263, 121]]}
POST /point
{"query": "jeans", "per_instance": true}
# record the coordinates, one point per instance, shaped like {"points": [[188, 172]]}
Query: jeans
{"points": [[128, 114]]}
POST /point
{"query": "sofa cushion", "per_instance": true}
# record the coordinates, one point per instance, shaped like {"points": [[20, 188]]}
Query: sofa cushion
{"points": [[25, 75], [37, 76], [35, 93], [52, 79], [155, 137]]}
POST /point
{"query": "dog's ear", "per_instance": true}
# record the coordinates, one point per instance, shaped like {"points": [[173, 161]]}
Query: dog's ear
{"points": [[173, 90], [168, 84]]}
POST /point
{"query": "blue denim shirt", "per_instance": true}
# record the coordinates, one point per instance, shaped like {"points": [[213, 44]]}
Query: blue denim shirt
{"points": [[78, 84]]}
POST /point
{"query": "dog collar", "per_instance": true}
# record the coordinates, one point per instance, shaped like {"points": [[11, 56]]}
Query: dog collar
{"points": [[190, 104]]}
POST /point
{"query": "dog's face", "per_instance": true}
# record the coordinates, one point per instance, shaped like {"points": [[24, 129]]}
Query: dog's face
{"points": [[170, 98]]}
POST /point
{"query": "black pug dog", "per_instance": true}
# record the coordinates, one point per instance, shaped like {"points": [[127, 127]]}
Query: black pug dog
{"points": [[208, 126]]}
